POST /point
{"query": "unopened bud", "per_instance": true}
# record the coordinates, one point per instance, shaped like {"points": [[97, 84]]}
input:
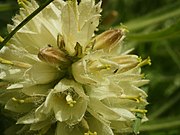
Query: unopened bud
{"points": [[53, 56], [108, 39]]}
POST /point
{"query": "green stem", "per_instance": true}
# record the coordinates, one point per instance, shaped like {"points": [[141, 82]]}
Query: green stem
{"points": [[160, 126], [149, 20], [171, 32], [25, 21]]}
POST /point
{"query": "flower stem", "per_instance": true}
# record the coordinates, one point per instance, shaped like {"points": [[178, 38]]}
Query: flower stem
{"points": [[157, 125], [25, 21]]}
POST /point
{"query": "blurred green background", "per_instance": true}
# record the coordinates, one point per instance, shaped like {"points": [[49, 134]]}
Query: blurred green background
{"points": [[154, 30]]}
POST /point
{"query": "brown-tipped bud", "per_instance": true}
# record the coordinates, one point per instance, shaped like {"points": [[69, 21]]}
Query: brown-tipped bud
{"points": [[108, 39], [53, 56]]}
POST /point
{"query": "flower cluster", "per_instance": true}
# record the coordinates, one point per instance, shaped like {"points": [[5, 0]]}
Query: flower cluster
{"points": [[57, 77]]}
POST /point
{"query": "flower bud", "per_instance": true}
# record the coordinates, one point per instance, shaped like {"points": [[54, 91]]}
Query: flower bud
{"points": [[53, 56], [108, 39]]}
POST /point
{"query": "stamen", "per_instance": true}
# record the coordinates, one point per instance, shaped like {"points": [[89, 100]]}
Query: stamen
{"points": [[139, 110], [3, 61], [142, 75], [1, 39], [22, 3], [15, 63], [21, 64], [78, 49], [139, 59], [33, 99], [124, 28], [69, 100], [138, 99], [18, 100], [145, 62], [90, 133], [60, 42], [107, 67]]}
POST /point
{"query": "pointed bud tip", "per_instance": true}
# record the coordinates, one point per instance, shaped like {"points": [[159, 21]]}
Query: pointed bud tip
{"points": [[108, 39], [52, 55]]}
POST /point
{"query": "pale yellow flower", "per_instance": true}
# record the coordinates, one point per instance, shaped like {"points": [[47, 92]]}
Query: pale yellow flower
{"points": [[59, 78]]}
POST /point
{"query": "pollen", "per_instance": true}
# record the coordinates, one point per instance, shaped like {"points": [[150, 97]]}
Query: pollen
{"points": [[90, 133], [145, 62], [139, 59], [107, 67], [22, 3], [18, 100], [70, 100], [139, 110], [1, 39], [4, 61], [15, 63]]}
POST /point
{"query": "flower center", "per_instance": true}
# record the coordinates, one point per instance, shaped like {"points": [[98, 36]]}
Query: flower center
{"points": [[70, 100]]}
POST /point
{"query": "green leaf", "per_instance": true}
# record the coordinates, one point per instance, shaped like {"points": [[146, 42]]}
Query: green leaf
{"points": [[161, 124], [171, 32], [155, 17]]}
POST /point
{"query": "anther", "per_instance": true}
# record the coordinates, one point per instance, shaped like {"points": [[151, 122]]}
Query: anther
{"points": [[107, 67], [139, 110], [90, 133], [18, 100], [135, 98], [145, 62], [22, 3], [70, 100], [15, 63]]}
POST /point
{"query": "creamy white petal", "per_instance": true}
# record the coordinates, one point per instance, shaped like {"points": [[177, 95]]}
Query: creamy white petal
{"points": [[41, 30], [104, 91], [17, 107], [79, 26], [27, 119], [42, 73], [66, 84], [37, 90], [100, 128], [63, 129]]}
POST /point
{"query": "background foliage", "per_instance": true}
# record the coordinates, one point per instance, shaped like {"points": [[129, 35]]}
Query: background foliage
{"points": [[154, 30]]}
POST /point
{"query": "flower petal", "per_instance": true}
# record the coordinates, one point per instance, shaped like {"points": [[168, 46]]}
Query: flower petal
{"points": [[27, 119], [98, 127], [102, 109], [66, 84], [63, 112], [6, 95], [37, 90], [15, 106], [63, 129], [42, 73]]}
